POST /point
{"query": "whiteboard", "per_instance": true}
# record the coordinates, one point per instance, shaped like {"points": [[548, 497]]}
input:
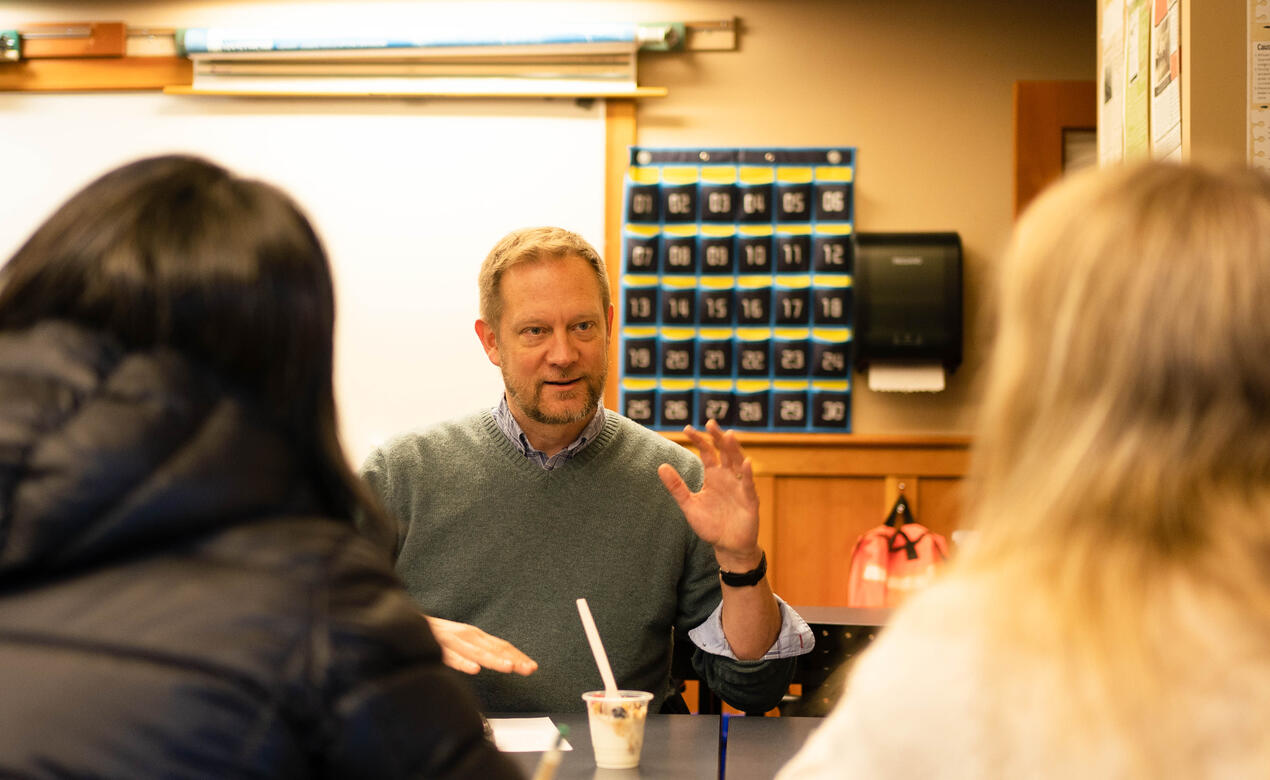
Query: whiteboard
{"points": [[407, 195]]}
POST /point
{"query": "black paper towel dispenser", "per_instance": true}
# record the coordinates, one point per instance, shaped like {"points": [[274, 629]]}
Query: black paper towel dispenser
{"points": [[908, 298]]}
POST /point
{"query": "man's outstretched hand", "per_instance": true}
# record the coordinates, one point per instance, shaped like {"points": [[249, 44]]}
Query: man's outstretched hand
{"points": [[469, 649]]}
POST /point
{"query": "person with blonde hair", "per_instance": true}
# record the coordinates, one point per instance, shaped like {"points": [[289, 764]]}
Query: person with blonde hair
{"points": [[1112, 616]]}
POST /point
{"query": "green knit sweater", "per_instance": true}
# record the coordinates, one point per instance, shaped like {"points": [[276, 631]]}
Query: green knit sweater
{"points": [[490, 538]]}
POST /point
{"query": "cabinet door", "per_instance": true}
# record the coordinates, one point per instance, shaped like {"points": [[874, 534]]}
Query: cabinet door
{"points": [[1046, 114]]}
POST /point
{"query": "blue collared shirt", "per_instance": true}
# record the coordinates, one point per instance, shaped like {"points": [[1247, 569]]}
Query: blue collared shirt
{"points": [[795, 637], [512, 430]]}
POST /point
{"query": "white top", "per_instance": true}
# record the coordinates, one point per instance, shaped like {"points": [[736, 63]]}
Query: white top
{"points": [[933, 697]]}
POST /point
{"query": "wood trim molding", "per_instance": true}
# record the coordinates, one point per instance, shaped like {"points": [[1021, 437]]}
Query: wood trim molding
{"points": [[855, 440], [639, 92], [849, 455], [619, 136], [83, 75]]}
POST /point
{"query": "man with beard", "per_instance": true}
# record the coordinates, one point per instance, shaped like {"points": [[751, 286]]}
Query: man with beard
{"points": [[508, 516]]}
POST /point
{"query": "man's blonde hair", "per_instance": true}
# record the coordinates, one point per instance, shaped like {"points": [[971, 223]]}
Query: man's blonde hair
{"points": [[530, 245], [1121, 483]]}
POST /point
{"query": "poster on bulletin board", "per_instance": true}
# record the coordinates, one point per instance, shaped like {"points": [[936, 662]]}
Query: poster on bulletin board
{"points": [[736, 288], [1259, 84]]}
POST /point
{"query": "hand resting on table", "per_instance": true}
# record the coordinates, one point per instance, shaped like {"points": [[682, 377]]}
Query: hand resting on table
{"points": [[469, 649]]}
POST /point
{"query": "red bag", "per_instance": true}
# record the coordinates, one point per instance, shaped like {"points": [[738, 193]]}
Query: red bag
{"points": [[894, 560]]}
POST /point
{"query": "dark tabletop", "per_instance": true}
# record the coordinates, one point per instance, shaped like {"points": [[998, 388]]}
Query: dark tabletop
{"points": [[759, 747], [675, 746], [844, 616]]}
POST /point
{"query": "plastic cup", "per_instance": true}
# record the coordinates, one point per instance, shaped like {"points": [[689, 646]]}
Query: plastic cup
{"points": [[617, 726]]}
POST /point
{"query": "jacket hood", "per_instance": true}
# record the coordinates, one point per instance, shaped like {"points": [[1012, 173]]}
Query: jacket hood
{"points": [[105, 452]]}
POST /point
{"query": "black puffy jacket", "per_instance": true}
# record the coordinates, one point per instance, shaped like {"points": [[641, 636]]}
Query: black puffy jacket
{"points": [[171, 604]]}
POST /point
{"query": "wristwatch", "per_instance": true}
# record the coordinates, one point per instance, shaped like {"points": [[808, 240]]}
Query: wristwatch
{"points": [[742, 579]]}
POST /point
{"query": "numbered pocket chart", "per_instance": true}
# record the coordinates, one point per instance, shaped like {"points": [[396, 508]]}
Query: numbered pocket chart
{"points": [[736, 279]]}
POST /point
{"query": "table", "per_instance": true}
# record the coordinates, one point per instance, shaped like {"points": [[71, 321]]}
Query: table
{"points": [[844, 616], [759, 747], [841, 633], [675, 746]]}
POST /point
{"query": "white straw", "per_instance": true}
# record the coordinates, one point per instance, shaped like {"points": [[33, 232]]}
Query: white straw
{"points": [[597, 649]]}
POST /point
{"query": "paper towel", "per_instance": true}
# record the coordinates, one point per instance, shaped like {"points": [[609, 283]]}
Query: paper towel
{"points": [[906, 377]]}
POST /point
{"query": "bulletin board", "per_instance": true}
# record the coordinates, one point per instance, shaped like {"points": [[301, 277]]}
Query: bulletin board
{"points": [[407, 195], [736, 288]]}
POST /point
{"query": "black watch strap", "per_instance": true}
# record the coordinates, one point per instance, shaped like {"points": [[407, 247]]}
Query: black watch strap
{"points": [[742, 579]]}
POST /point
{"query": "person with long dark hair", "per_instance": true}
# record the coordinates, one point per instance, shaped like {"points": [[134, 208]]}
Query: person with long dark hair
{"points": [[183, 591]]}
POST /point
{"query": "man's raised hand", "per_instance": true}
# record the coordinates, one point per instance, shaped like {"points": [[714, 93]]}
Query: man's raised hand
{"points": [[724, 513]]}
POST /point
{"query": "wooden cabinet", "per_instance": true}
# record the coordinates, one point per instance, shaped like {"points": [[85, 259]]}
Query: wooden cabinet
{"points": [[818, 493]]}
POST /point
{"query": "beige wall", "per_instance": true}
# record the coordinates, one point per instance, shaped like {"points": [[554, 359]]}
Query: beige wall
{"points": [[1214, 80], [921, 87]]}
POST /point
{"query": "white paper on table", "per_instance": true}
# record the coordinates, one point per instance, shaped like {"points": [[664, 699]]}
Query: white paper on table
{"points": [[525, 735]]}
